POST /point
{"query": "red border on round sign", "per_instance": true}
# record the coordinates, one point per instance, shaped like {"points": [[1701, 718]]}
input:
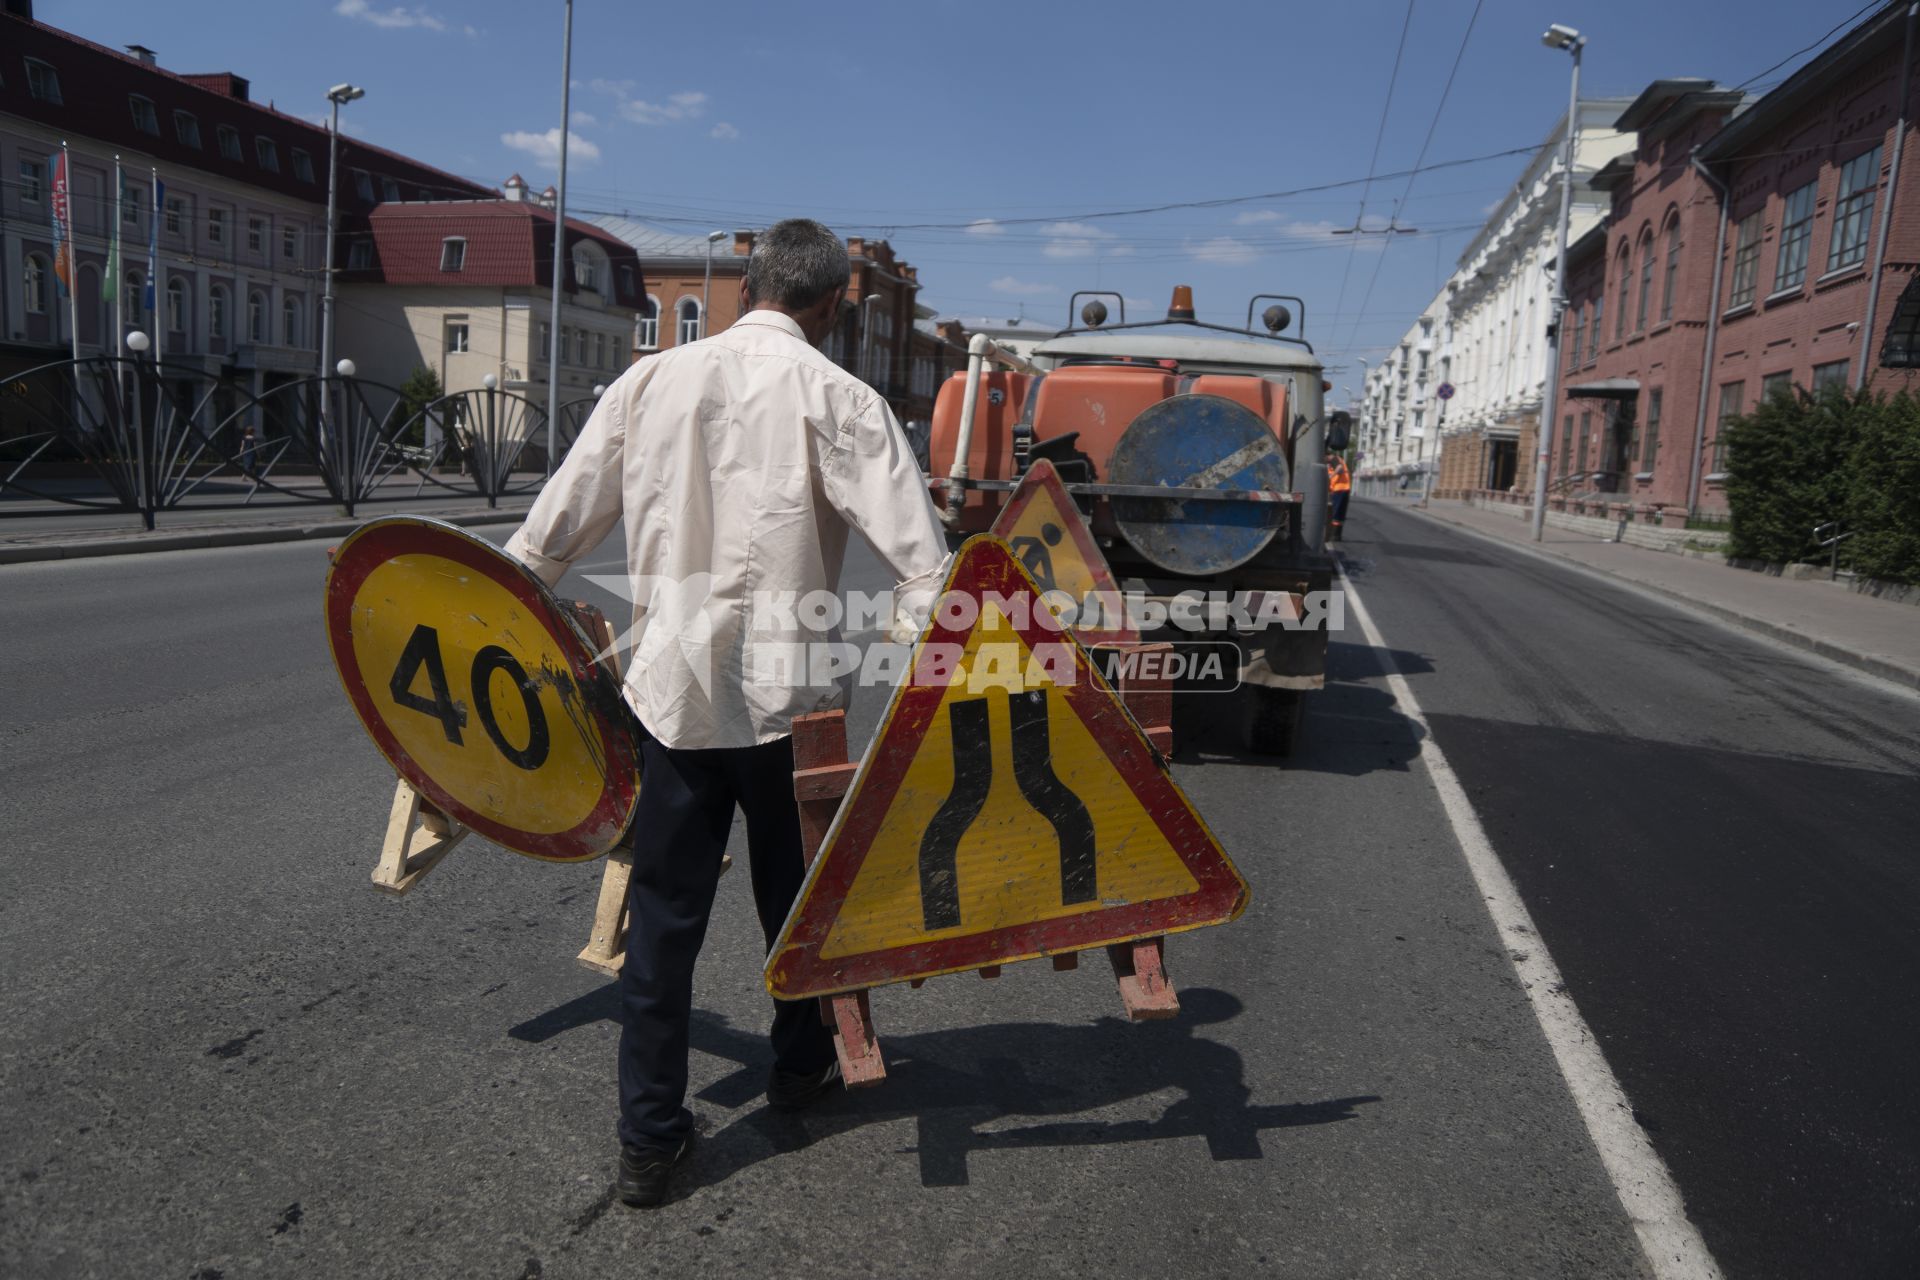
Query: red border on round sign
{"points": [[379, 541]]}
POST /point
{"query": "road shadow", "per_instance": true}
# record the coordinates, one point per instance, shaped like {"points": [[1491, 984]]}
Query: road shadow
{"points": [[1008, 1086]]}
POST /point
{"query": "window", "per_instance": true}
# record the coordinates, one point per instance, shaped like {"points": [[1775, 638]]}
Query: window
{"points": [[186, 127], [1775, 384], [457, 339], [33, 178], [1626, 290], [1650, 442], [363, 185], [1593, 331], [453, 253], [145, 119], [256, 317], [1646, 283], [1586, 425], [1831, 374], [290, 321], [599, 351], [229, 139], [267, 152], [566, 345], [1746, 260], [626, 282], [687, 314], [1673, 268], [176, 214], [1853, 211], [290, 243], [1572, 326], [217, 312], [256, 235], [35, 289], [176, 306], [216, 226], [132, 199], [1796, 233], [1732, 397], [43, 82], [646, 325], [302, 165], [390, 190], [360, 256], [136, 294], [546, 339]]}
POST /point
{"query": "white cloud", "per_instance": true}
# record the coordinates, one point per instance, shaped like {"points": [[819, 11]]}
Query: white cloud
{"points": [[1223, 251], [724, 131], [545, 147], [1012, 284], [681, 106], [985, 227], [585, 118], [398, 16], [1075, 240], [612, 88]]}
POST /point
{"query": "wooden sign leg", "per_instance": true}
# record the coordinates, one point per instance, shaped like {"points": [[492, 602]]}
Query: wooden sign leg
{"points": [[606, 950], [418, 836], [1140, 967], [821, 776]]}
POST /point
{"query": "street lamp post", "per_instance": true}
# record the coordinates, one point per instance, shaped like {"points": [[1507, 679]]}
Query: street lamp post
{"points": [[340, 93], [1557, 36], [706, 288], [559, 242]]}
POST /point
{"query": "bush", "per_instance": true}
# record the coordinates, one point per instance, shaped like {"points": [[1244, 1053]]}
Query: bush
{"points": [[1884, 507], [1789, 468], [421, 389]]}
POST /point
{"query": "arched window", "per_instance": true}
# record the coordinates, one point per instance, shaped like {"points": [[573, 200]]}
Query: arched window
{"points": [[257, 317], [646, 324], [290, 321], [35, 289], [687, 313], [1673, 268], [1646, 282], [217, 312], [176, 306], [1626, 289]]}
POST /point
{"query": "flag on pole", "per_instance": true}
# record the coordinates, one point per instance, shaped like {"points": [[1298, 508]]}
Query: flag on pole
{"points": [[62, 224], [110, 282], [153, 240]]}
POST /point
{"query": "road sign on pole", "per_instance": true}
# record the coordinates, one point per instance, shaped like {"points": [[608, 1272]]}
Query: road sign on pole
{"points": [[1008, 808], [481, 689], [1445, 391], [1049, 536]]}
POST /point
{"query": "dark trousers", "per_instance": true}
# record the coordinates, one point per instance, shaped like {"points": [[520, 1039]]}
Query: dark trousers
{"points": [[1339, 500], [687, 799]]}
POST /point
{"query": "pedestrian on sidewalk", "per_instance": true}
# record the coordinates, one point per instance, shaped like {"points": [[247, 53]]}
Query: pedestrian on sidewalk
{"points": [[1339, 489], [738, 463], [248, 444]]}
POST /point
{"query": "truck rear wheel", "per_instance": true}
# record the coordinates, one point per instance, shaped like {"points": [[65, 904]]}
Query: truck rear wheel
{"points": [[1272, 719]]}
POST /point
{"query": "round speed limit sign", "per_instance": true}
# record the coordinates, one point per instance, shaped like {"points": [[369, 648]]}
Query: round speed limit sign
{"points": [[481, 689]]}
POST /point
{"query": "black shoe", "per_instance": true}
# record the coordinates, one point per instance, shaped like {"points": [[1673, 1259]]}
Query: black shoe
{"points": [[791, 1091], [644, 1171]]}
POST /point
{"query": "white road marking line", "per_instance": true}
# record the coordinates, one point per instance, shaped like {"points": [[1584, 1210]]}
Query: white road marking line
{"points": [[1672, 1244]]}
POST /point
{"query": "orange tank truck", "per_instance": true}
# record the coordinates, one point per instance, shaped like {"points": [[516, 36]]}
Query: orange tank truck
{"points": [[1196, 451]]}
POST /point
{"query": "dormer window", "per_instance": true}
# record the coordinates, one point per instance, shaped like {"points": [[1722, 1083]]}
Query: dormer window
{"points": [[145, 119], [363, 185], [390, 190], [302, 165], [186, 127], [229, 138], [43, 82], [268, 153], [360, 256], [453, 253]]}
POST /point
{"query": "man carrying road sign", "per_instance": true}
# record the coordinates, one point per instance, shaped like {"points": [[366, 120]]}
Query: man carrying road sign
{"points": [[738, 463]]}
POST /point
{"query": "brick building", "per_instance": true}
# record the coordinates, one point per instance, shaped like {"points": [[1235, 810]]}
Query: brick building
{"points": [[1789, 205]]}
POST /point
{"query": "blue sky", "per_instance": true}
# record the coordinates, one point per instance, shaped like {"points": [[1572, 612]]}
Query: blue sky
{"points": [[938, 124]]}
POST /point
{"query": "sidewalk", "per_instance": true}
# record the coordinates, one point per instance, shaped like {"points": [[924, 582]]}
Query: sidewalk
{"points": [[78, 536], [1872, 635]]}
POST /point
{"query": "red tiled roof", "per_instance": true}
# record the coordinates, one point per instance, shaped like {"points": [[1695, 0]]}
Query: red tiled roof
{"points": [[509, 242], [95, 82]]}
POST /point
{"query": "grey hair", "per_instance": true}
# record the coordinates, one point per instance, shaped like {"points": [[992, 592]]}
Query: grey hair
{"points": [[795, 263]]}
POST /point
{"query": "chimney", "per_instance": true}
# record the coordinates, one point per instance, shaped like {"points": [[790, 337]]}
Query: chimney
{"points": [[549, 197], [742, 243], [516, 188], [143, 53], [19, 9], [224, 83]]}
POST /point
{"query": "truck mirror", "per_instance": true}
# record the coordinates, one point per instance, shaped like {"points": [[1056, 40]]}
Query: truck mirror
{"points": [[1339, 430]]}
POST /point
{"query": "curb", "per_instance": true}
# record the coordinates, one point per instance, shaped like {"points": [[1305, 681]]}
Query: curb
{"points": [[233, 537], [1893, 672]]}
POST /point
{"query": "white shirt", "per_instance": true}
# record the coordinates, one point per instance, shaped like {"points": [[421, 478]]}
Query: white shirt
{"points": [[739, 462]]}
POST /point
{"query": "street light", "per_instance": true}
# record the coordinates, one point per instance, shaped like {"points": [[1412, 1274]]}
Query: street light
{"points": [[1557, 36], [706, 290], [338, 95]]}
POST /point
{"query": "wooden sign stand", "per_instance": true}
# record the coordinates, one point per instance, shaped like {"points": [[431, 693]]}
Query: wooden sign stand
{"points": [[822, 773]]}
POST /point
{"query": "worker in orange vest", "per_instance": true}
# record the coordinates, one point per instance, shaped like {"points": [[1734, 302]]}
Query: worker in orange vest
{"points": [[1339, 488]]}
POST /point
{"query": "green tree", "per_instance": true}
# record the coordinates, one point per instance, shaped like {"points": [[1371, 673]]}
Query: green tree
{"points": [[1883, 511], [1789, 468], [421, 389]]}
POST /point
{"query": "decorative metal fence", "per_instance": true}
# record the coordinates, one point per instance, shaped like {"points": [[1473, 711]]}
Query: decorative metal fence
{"points": [[117, 434]]}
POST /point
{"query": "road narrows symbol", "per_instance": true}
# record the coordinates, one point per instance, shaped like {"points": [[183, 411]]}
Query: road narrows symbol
{"points": [[940, 847], [1033, 770]]}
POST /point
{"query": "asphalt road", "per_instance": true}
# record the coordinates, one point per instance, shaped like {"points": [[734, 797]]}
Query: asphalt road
{"points": [[1716, 839], [223, 1053]]}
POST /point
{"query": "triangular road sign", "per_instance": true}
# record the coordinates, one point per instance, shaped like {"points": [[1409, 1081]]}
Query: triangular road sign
{"points": [[1008, 808], [1051, 539]]}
